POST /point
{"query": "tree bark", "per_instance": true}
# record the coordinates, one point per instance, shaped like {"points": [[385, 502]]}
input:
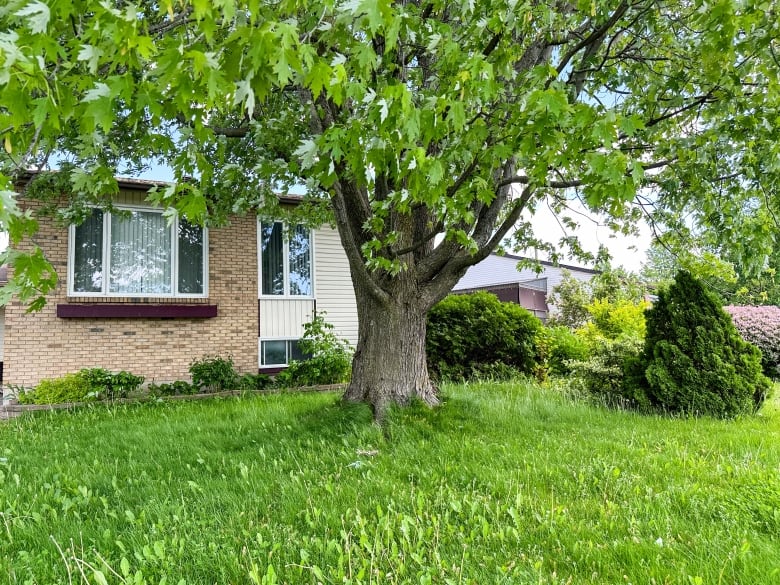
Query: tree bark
{"points": [[390, 366]]}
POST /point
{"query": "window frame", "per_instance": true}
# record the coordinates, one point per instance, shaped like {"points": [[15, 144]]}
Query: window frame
{"points": [[287, 350], [106, 252], [285, 265]]}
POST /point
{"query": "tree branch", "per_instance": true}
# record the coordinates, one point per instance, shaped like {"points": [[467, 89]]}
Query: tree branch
{"points": [[594, 37], [564, 184]]}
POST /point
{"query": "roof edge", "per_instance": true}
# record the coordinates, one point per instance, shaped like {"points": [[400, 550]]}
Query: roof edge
{"points": [[547, 263]]}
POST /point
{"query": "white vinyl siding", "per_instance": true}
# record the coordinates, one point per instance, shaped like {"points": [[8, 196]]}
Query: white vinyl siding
{"points": [[284, 318], [335, 294]]}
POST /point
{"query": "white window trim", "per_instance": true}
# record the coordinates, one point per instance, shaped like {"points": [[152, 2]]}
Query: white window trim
{"points": [[174, 227], [285, 267], [260, 351]]}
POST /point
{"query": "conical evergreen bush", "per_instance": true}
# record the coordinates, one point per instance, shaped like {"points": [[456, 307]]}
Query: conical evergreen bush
{"points": [[694, 360]]}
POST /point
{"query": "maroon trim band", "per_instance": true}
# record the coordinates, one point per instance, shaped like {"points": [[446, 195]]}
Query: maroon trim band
{"points": [[133, 311]]}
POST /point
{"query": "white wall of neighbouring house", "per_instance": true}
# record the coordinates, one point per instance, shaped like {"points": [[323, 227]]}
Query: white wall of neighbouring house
{"points": [[333, 284], [495, 270]]}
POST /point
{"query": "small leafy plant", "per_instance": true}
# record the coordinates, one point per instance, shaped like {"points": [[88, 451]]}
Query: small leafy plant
{"points": [[330, 358], [172, 388], [214, 374], [108, 385], [249, 382]]}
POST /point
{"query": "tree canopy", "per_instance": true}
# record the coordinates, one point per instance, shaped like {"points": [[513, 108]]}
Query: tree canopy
{"points": [[431, 129]]}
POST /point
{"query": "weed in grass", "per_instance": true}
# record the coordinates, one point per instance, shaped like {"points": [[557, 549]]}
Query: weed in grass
{"points": [[505, 483]]}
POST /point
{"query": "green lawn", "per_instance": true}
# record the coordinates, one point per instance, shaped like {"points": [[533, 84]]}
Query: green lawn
{"points": [[503, 484]]}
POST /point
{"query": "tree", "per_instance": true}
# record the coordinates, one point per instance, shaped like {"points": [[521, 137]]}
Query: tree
{"points": [[734, 283], [573, 298], [430, 129]]}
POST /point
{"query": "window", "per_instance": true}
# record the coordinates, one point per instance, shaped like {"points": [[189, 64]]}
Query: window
{"points": [[137, 253], [285, 261], [279, 352]]}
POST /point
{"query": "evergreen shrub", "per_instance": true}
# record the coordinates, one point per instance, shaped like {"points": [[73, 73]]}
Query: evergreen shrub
{"points": [[694, 360], [468, 332], [761, 327]]}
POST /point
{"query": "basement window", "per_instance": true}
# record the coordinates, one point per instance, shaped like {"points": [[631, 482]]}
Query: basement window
{"points": [[279, 352]]}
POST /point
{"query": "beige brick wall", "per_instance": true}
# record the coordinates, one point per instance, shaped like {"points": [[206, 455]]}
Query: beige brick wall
{"points": [[41, 345]]}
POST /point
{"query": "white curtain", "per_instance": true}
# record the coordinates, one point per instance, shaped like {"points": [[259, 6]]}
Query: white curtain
{"points": [[140, 254]]}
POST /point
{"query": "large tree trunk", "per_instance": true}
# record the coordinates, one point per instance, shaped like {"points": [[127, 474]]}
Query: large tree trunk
{"points": [[390, 366]]}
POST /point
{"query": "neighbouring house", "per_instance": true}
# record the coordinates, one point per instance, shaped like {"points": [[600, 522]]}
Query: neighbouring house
{"points": [[141, 294], [525, 286]]}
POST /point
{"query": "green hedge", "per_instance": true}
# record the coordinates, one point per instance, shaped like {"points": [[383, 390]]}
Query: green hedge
{"points": [[466, 333]]}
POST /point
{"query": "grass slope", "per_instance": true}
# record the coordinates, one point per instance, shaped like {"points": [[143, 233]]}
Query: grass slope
{"points": [[503, 484]]}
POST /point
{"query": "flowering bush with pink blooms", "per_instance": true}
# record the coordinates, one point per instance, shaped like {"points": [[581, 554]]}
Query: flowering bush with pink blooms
{"points": [[761, 327]]}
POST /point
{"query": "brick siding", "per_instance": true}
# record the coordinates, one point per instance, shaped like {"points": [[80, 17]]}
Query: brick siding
{"points": [[41, 345]]}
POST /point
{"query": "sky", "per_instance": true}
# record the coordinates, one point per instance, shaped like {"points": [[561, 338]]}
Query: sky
{"points": [[626, 251]]}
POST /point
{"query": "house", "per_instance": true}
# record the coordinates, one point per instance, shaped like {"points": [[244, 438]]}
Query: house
{"points": [[525, 286], [139, 293], [3, 281]]}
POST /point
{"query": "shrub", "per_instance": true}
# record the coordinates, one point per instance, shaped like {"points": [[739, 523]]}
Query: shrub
{"points": [[761, 327], [67, 388], [87, 384], [214, 374], [329, 358], [172, 388], [104, 384], [614, 320], [255, 382], [468, 331], [564, 348], [608, 374], [694, 360]]}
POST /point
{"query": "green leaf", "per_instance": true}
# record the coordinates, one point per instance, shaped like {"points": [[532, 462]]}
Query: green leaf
{"points": [[38, 16], [91, 55], [435, 172], [307, 152]]}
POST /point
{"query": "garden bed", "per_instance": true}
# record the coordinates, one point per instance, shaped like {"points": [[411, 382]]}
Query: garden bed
{"points": [[10, 410]]}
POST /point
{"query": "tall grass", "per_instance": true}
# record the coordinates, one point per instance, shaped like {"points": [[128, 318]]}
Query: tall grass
{"points": [[502, 484]]}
